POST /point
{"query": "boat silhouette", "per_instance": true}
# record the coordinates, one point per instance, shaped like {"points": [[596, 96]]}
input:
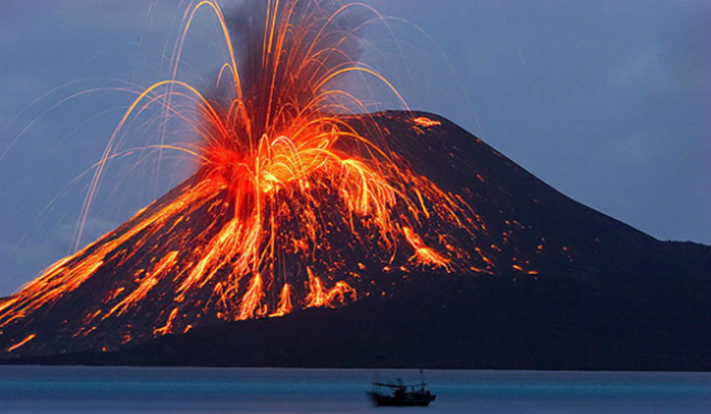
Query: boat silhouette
{"points": [[399, 394]]}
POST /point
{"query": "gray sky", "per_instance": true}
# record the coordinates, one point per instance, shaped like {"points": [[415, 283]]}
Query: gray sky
{"points": [[607, 101]]}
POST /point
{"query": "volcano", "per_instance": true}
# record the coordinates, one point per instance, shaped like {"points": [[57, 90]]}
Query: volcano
{"points": [[317, 231], [559, 285]]}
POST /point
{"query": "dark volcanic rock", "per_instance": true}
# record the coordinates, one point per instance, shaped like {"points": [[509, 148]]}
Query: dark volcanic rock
{"points": [[455, 322], [570, 288]]}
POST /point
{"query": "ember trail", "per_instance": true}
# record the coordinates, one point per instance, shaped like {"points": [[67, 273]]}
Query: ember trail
{"points": [[296, 202]]}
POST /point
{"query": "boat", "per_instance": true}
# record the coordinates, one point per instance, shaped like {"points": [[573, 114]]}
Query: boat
{"points": [[399, 394]]}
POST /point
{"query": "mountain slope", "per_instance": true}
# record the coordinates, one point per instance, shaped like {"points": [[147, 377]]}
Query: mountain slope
{"points": [[541, 282]]}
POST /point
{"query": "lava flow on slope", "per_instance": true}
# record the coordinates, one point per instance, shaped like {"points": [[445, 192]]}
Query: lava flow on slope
{"points": [[294, 203]]}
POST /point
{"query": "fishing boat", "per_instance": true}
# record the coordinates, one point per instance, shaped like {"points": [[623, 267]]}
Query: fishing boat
{"points": [[399, 394]]}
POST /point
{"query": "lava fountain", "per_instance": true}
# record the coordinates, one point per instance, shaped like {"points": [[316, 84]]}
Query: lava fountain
{"points": [[297, 196]]}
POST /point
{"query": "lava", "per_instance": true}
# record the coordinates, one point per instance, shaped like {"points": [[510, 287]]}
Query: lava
{"points": [[426, 122], [289, 200]]}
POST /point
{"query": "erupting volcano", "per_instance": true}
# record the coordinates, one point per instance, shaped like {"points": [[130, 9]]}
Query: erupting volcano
{"points": [[302, 198], [293, 203]]}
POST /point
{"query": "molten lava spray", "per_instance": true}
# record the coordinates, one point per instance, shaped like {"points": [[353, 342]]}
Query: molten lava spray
{"points": [[292, 202]]}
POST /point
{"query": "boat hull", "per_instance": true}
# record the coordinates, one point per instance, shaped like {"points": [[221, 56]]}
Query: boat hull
{"points": [[408, 400]]}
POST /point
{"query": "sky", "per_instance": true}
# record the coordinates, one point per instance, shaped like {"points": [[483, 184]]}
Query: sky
{"points": [[609, 102]]}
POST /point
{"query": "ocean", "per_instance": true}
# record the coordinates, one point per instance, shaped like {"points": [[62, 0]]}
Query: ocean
{"points": [[243, 390]]}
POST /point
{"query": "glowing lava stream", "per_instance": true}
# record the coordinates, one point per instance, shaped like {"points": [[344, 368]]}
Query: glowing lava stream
{"points": [[285, 188]]}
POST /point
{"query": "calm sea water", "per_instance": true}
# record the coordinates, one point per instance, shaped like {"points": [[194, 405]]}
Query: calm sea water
{"points": [[179, 390]]}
